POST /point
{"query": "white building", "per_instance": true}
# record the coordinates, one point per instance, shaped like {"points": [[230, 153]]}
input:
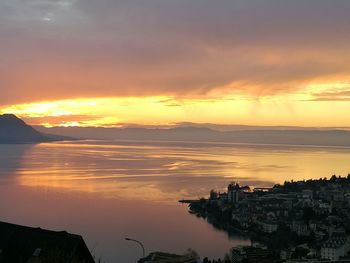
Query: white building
{"points": [[233, 192], [269, 226], [307, 193], [300, 228], [334, 249]]}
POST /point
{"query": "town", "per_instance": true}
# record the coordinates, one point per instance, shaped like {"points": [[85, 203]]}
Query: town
{"points": [[303, 221]]}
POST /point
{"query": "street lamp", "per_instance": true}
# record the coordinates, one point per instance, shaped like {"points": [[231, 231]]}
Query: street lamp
{"points": [[138, 242]]}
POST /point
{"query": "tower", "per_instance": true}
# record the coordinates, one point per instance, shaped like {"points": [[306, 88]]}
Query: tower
{"points": [[233, 190]]}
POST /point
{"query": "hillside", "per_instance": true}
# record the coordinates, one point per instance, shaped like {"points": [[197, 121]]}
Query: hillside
{"points": [[252, 135], [14, 130]]}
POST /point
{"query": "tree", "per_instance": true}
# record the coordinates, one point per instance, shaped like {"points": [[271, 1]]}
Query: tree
{"points": [[308, 214], [300, 253], [334, 178], [192, 254], [227, 259]]}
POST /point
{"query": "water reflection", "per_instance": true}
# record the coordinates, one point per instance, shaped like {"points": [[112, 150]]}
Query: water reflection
{"points": [[167, 172], [11, 157], [161, 173], [108, 190]]}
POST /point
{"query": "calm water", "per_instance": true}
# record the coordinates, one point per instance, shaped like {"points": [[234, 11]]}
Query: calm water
{"points": [[106, 191]]}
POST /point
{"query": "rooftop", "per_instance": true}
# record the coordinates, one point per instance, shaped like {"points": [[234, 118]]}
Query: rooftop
{"points": [[27, 244]]}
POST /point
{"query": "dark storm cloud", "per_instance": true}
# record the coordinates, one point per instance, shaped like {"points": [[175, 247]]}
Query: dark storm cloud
{"points": [[70, 48]]}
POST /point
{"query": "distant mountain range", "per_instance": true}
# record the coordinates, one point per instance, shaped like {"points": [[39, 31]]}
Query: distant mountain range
{"points": [[202, 133], [14, 131]]}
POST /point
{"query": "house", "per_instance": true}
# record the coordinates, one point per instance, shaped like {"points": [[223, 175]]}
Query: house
{"points": [[307, 193], [313, 225], [21, 244], [286, 254], [250, 254], [300, 228], [243, 219], [269, 226], [334, 249]]}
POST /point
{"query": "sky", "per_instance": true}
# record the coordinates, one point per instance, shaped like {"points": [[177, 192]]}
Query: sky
{"points": [[160, 62]]}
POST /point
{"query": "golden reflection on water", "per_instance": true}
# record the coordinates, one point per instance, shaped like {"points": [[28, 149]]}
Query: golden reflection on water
{"points": [[168, 172], [108, 190], [103, 185]]}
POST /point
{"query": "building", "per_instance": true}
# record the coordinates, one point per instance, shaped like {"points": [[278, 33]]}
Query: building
{"points": [[269, 226], [307, 193], [334, 249], [233, 192], [21, 244], [300, 228], [286, 254], [250, 254]]}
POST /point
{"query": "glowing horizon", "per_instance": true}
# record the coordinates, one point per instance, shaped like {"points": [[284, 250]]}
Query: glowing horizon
{"points": [[306, 108], [110, 63]]}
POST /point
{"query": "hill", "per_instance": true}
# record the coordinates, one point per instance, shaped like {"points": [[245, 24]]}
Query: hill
{"points": [[250, 135], [15, 130]]}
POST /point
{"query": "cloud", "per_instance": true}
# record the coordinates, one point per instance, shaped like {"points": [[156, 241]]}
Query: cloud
{"points": [[71, 49], [335, 95]]}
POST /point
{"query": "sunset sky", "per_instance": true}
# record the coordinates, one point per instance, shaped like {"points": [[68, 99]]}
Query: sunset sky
{"points": [[114, 62]]}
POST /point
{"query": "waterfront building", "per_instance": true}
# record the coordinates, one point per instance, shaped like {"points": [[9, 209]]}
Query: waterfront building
{"points": [[314, 210], [300, 228], [233, 193], [269, 226], [250, 254], [334, 249], [307, 193]]}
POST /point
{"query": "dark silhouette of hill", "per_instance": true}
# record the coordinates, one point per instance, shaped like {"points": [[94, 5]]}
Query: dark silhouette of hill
{"points": [[15, 130]]}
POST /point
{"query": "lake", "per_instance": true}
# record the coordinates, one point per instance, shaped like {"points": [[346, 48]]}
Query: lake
{"points": [[106, 191]]}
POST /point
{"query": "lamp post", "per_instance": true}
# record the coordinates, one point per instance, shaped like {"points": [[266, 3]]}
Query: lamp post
{"points": [[138, 242]]}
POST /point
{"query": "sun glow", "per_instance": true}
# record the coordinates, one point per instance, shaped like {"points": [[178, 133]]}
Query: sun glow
{"points": [[309, 107]]}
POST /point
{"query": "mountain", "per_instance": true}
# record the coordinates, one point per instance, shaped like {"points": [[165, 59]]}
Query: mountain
{"points": [[251, 135], [14, 130]]}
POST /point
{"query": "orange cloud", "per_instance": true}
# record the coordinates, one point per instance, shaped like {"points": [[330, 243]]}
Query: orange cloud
{"points": [[295, 109], [57, 50]]}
